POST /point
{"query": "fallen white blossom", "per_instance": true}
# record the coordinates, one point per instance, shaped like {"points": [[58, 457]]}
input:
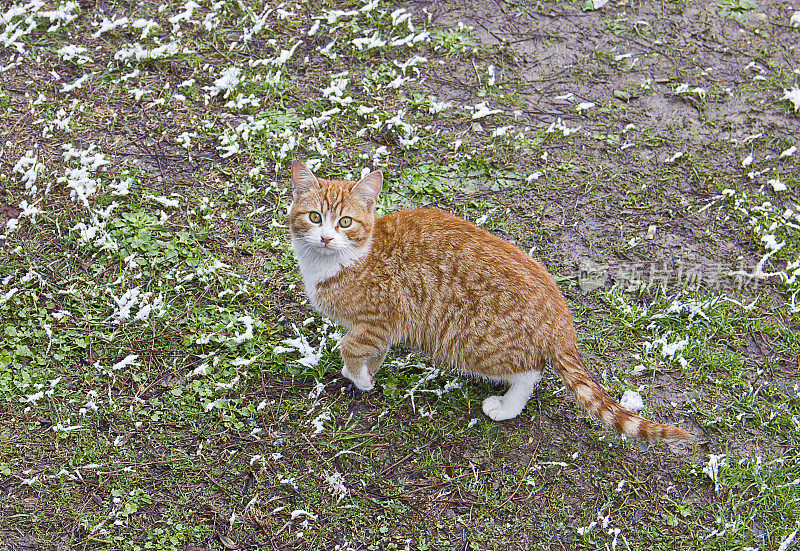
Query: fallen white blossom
{"points": [[777, 185], [128, 360], [226, 83], [793, 96], [712, 468], [482, 110], [632, 401]]}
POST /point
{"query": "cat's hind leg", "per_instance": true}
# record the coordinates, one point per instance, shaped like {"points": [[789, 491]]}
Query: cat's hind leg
{"points": [[511, 404], [363, 350]]}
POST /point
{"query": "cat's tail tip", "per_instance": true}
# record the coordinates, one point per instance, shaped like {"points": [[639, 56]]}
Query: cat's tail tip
{"points": [[656, 432], [596, 400]]}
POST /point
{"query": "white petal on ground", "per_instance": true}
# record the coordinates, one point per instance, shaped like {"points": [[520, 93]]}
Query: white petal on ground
{"points": [[632, 401], [482, 110], [793, 96], [790, 538], [777, 185]]}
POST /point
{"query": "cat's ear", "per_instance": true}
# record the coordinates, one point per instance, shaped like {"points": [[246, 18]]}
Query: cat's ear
{"points": [[369, 187], [303, 180]]}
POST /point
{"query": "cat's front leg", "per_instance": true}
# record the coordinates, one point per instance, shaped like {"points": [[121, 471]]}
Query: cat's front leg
{"points": [[374, 362], [363, 351]]}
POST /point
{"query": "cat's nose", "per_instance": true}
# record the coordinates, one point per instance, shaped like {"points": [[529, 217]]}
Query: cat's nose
{"points": [[326, 240]]}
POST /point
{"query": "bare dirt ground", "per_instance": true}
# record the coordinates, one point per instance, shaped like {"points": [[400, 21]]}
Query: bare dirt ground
{"points": [[629, 58]]}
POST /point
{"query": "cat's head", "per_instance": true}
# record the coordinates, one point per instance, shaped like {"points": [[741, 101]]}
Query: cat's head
{"points": [[332, 217]]}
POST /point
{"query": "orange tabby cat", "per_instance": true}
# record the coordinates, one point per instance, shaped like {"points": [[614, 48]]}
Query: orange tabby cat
{"points": [[438, 283]]}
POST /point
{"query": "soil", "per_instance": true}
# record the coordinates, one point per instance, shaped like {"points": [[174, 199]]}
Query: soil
{"points": [[555, 50]]}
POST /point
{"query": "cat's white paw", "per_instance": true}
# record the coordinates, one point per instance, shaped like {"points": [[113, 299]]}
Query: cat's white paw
{"points": [[493, 408], [365, 381]]}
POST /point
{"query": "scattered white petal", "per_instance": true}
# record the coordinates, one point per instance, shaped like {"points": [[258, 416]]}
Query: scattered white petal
{"points": [[301, 513], [777, 185], [128, 360], [632, 401], [793, 96], [790, 538], [482, 110], [674, 158]]}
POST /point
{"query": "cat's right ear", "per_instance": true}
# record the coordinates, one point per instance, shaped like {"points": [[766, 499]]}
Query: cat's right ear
{"points": [[303, 180], [369, 187]]}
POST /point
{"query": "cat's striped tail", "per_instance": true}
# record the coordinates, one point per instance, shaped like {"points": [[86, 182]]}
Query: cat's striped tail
{"points": [[594, 399]]}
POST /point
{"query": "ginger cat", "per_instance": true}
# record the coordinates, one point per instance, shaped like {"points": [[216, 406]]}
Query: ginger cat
{"points": [[442, 285]]}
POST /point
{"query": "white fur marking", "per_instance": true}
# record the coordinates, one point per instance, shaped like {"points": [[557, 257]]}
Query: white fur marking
{"points": [[583, 393], [508, 406], [632, 426], [319, 262], [363, 381]]}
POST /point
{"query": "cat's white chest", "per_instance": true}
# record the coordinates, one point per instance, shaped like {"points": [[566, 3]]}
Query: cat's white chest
{"points": [[316, 267]]}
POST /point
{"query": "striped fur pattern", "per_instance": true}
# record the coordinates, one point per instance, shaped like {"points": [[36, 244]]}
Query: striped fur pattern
{"points": [[444, 286]]}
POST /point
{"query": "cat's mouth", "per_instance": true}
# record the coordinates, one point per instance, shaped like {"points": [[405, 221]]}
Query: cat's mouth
{"points": [[318, 246], [327, 248]]}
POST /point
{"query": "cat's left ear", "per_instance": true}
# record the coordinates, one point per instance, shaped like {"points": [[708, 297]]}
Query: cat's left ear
{"points": [[369, 187], [303, 180]]}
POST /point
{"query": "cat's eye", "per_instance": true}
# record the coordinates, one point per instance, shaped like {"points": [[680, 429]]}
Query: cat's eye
{"points": [[315, 217], [345, 222]]}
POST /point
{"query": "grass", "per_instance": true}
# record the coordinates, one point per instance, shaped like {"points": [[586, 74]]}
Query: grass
{"points": [[164, 383]]}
